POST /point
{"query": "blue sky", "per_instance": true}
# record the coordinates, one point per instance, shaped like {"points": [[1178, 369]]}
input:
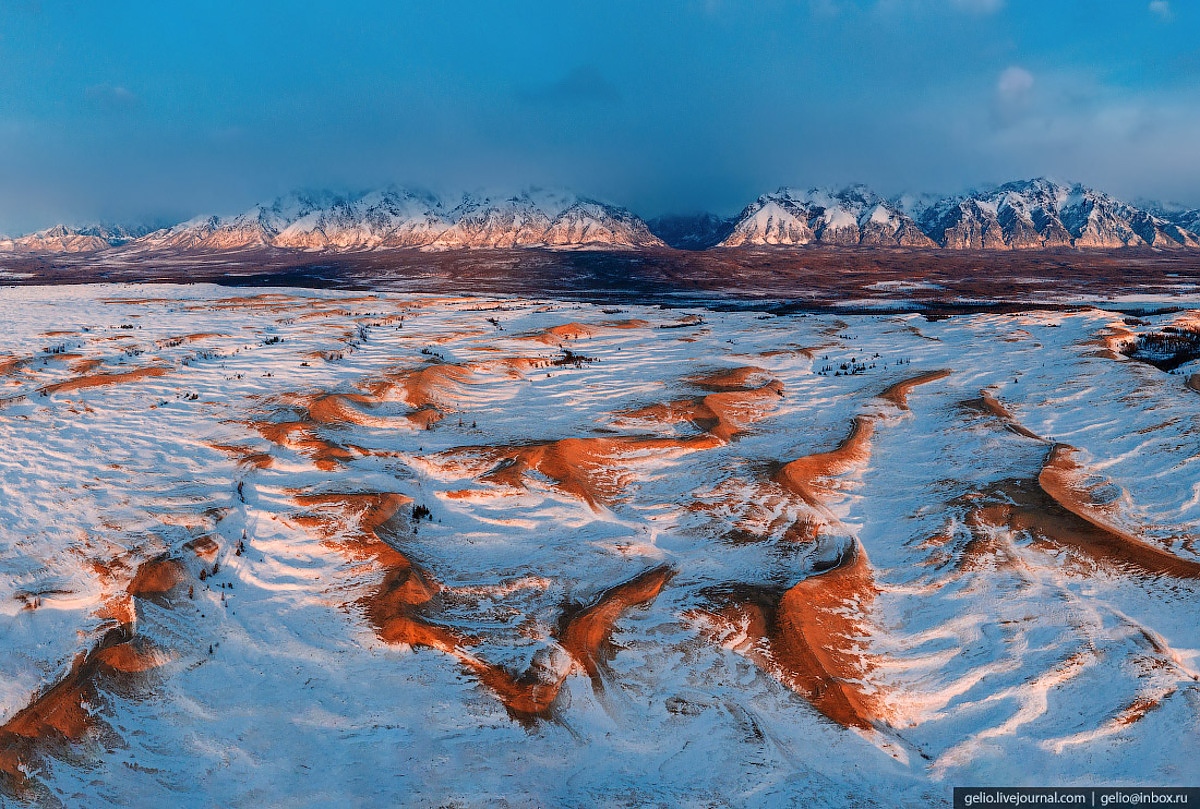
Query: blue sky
{"points": [[150, 109]]}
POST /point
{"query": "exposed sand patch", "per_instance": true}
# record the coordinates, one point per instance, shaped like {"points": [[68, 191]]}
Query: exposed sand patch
{"points": [[1193, 382], [988, 403], [630, 323], [204, 547], [585, 633], [590, 469], [809, 477], [102, 380], [567, 331], [897, 394], [397, 605], [343, 408], [1061, 479], [1114, 340], [743, 397], [65, 713], [583, 636], [811, 638], [302, 435], [433, 385], [85, 366], [246, 455], [392, 607], [157, 577]]}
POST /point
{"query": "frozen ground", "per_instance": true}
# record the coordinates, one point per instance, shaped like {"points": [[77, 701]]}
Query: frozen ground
{"points": [[992, 579]]}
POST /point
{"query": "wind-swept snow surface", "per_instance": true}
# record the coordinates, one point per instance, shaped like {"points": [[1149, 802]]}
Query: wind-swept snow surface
{"points": [[296, 548]]}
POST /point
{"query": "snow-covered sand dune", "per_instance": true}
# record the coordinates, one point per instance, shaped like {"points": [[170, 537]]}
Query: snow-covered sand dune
{"points": [[298, 548]]}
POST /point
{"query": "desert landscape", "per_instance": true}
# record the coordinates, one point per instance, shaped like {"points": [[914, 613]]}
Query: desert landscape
{"points": [[293, 547]]}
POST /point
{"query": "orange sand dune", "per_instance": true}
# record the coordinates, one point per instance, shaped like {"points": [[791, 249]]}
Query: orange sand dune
{"points": [[101, 380], [170, 342], [1114, 338], [341, 408], [62, 715], [631, 323], [246, 455], [987, 550], [743, 378], [434, 385], [897, 394], [85, 366], [585, 633], [586, 468], [810, 638], [724, 414], [1061, 480], [807, 476], [988, 403], [393, 606], [157, 577], [397, 605], [9, 363], [567, 331], [205, 547], [56, 718], [302, 436]]}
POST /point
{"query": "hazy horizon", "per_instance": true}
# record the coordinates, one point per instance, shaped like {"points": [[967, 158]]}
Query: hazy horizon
{"points": [[141, 112]]}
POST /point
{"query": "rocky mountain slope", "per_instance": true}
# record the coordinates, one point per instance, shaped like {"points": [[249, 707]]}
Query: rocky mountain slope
{"points": [[64, 239], [1028, 214], [403, 218]]}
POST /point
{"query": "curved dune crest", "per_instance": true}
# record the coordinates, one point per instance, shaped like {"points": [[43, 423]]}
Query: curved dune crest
{"points": [[805, 477], [395, 606], [64, 714], [104, 380], [897, 393], [741, 378], [723, 415], [990, 404], [157, 577], [810, 638], [740, 398], [434, 385], [1060, 480], [589, 469], [567, 331], [585, 633]]}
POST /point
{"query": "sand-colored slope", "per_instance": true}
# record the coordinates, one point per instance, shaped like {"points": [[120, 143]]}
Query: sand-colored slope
{"points": [[809, 636], [810, 477], [1056, 507], [897, 394], [398, 606], [103, 380], [64, 714], [302, 435], [724, 415], [592, 469], [1061, 479], [813, 640], [988, 403], [585, 633]]}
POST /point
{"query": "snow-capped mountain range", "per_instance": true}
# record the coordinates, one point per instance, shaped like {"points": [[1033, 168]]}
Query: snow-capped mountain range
{"points": [[1028, 214]]}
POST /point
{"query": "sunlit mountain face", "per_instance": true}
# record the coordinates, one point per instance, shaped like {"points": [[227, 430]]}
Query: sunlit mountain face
{"points": [[1026, 215]]}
